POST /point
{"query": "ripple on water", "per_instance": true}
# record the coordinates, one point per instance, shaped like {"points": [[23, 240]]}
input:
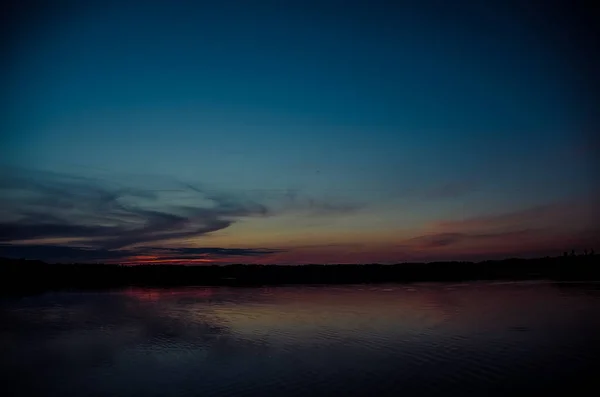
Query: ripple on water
{"points": [[430, 339]]}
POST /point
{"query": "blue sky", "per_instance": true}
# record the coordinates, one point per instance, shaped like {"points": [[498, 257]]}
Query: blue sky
{"points": [[414, 112]]}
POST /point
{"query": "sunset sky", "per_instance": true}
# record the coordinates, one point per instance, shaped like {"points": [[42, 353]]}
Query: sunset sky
{"points": [[296, 131]]}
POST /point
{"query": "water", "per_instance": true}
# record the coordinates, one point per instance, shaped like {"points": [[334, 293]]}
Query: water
{"points": [[429, 339]]}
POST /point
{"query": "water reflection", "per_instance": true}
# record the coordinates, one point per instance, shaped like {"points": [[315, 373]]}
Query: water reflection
{"points": [[350, 340]]}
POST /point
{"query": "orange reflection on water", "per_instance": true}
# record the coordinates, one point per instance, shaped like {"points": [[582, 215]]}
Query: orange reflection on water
{"points": [[357, 311], [158, 294]]}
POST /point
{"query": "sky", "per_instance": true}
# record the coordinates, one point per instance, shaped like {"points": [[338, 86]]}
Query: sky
{"points": [[297, 132]]}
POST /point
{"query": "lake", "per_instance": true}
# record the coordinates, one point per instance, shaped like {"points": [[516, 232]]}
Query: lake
{"points": [[351, 340]]}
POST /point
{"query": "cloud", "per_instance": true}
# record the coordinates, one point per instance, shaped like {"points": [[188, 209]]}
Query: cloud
{"points": [[212, 251], [440, 240], [435, 240], [546, 229], [60, 206], [108, 217], [511, 218], [294, 201], [59, 253], [25, 231], [572, 214]]}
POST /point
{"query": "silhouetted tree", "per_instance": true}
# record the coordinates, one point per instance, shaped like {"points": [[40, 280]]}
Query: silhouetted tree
{"points": [[29, 275]]}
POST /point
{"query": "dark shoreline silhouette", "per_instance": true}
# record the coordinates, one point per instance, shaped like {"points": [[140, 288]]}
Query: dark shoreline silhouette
{"points": [[23, 276]]}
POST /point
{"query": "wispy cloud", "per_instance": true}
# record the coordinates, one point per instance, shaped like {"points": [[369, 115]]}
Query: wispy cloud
{"points": [[106, 217], [580, 213], [111, 218], [59, 253], [440, 240], [539, 230], [506, 219], [293, 200]]}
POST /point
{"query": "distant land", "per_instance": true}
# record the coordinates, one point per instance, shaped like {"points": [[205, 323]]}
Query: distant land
{"points": [[22, 276]]}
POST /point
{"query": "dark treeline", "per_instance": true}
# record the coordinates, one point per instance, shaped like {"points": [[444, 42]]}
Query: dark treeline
{"points": [[19, 275]]}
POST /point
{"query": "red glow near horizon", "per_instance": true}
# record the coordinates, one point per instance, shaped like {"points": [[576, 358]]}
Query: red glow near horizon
{"points": [[169, 261], [158, 260], [471, 249]]}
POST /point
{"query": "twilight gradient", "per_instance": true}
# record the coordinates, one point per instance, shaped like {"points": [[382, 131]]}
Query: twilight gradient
{"points": [[294, 132]]}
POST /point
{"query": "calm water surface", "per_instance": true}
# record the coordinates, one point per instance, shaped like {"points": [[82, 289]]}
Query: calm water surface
{"points": [[429, 339]]}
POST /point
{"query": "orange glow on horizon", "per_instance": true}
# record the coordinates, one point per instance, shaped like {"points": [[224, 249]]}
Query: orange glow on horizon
{"points": [[159, 261]]}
